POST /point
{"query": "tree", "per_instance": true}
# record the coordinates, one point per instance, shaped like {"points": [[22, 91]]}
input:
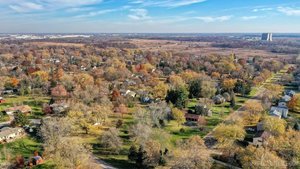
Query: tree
{"points": [[178, 97], [195, 89], [44, 76], [254, 107], [294, 103], [64, 151], [228, 134], [191, 154], [228, 84], [178, 115], [208, 89], [149, 155], [59, 91], [133, 153], [176, 81], [274, 90], [14, 82], [83, 80], [242, 87], [160, 90], [260, 158], [20, 119], [274, 125], [110, 139]]}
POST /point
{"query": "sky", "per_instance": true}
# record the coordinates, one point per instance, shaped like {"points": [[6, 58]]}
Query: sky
{"points": [[149, 16]]}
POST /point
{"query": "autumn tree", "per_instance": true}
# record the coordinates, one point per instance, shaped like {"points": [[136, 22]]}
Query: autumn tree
{"points": [[44, 76], [63, 150], [228, 134], [229, 84], [294, 103], [192, 154], [290, 150], [274, 125], [59, 91], [160, 90], [178, 116], [149, 155], [83, 80], [274, 90], [110, 139], [176, 81], [260, 158], [254, 107]]}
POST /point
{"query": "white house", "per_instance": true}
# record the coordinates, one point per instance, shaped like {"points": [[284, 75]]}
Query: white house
{"points": [[286, 98], [279, 112]]}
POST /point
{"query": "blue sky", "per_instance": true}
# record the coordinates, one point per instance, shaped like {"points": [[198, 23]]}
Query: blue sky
{"points": [[152, 16]]}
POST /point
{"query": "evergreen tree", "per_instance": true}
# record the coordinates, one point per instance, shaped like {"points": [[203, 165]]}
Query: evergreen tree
{"points": [[133, 153]]}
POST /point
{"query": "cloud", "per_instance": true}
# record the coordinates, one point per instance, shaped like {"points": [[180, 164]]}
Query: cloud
{"points": [[70, 3], [262, 9], [139, 14], [26, 7], [246, 18], [23, 6], [96, 13], [166, 3], [214, 19], [289, 11]]}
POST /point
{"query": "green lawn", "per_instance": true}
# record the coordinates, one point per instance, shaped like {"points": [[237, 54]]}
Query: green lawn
{"points": [[35, 102], [4, 117], [24, 146]]}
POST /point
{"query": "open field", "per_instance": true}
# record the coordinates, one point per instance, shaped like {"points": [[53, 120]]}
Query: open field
{"points": [[202, 48]]}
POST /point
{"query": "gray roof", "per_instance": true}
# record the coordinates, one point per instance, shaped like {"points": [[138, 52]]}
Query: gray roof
{"points": [[7, 131], [278, 111]]}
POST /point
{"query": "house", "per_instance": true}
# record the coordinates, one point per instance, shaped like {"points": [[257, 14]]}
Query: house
{"points": [[260, 137], [8, 134], [24, 109], [130, 93], [59, 108], [192, 117], [290, 93], [260, 126], [2, 100], [279, 112], [219, 99], [286, 98], [146, 100], [203, 110], [7, 92], [282, 104]]}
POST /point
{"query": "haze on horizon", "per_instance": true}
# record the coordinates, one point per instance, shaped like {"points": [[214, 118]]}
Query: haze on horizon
{"points": [[142, 16]]}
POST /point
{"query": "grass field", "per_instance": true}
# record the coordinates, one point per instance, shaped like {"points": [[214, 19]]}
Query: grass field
{"points": [[24, 146], [35, 102]]}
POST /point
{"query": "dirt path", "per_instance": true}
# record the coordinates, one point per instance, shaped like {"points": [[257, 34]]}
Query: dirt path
{"points": [[103, 164]]}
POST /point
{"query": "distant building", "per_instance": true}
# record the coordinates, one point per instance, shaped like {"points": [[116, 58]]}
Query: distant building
{"points": [[267, 37]]}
